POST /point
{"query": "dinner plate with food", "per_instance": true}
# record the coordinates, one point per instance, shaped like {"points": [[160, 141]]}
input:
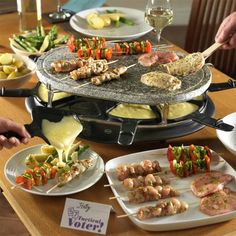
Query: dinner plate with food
{"points": [[37, 170], [111, 22], [173, 188]]}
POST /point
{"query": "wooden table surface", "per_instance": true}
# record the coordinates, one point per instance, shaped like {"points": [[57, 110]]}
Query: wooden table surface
{"points": [[42, 215]]}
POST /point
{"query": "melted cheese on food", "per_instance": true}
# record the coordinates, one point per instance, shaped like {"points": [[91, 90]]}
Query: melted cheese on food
{"points": [[62, 134], [133, 111], [181, 109], [43, 94]]}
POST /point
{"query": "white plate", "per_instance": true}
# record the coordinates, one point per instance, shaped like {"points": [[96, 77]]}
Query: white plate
{"points": [[15, 166], [78, 22], [228, 138], [192, 217]]}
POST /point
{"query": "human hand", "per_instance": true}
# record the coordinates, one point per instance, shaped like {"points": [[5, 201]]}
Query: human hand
{"points": [[9, 125], [227, 32]]}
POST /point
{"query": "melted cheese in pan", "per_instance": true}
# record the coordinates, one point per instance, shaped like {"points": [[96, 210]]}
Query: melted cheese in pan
{"points": [[181, 109], [134, 111], [62, 134], [43, 94]]}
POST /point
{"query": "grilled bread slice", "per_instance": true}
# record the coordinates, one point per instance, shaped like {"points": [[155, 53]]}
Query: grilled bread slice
{"points": [[184, 66], [161, 80]]}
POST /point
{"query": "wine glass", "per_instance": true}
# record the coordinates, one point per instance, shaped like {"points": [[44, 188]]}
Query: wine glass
{"points": [[60, 14], [158, 14]]}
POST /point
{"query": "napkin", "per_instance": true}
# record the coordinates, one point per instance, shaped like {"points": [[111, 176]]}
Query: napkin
{"points": [[79, 5]]}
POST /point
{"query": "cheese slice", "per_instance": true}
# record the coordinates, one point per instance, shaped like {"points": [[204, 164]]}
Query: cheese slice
{"points": [[161, 80], [185, 66]]}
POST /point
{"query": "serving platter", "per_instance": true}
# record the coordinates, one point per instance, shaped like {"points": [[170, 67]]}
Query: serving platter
{"points": [[188, 219], [124, 32], [128, 89], [15, 166]]}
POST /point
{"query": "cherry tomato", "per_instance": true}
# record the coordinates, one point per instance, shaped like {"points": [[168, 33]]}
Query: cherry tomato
{"points": [[148, 47]]}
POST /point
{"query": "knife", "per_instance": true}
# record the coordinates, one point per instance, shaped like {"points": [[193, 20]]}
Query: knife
{"points": [[214, 87]]}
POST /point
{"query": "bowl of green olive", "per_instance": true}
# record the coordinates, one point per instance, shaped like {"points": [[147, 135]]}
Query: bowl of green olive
{"points": [[15, 70]]}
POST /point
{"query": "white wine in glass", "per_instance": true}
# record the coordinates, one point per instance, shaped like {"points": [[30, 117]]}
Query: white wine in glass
{"points": [[158, 14]]}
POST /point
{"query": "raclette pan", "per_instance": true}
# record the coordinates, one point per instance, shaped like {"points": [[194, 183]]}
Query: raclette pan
{"points": [[129, 125], [34, 92], [38, 115]]}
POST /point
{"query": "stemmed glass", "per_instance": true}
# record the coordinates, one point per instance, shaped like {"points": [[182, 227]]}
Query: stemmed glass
{"points": [[60, 14], [158, 14]]}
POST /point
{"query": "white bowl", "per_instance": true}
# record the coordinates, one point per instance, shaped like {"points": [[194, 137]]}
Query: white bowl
{"points": [[20, 80], [229, 138], [23, 52]]}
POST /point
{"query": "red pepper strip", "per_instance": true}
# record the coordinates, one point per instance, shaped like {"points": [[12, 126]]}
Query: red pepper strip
{"points": [[172, 167], [71, 43], [40, 173], [118, 49], [137, 47], [208, 151], [24, 181], [208, 162], [170, 155]]}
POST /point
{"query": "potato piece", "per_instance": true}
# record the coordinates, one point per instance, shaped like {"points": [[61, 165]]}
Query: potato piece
{"points": [[14, 75], [91, 15], [19, 63], [6, 59], [95, 21], [9, 69], [3, 75], [114, 16], [25, 71], [106, 19], [1, 68]]}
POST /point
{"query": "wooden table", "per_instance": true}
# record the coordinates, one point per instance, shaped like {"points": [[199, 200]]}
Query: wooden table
{"points": [[42, 215]]}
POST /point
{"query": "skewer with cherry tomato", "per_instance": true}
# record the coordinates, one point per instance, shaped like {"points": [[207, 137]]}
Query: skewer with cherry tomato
{"points": [[96, 47]]}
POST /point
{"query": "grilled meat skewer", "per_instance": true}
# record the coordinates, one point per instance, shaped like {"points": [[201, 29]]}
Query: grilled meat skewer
{"points": [[135, 169], [62, 66], [149, 193], [163, 208], [142, 181], [93, 68]]}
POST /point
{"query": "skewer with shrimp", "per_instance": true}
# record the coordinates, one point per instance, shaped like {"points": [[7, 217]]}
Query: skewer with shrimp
{"points": [[163, 208], [95, 68], [150, 193], [143, 168], [112, 74], [62, 66], [141, 181]]}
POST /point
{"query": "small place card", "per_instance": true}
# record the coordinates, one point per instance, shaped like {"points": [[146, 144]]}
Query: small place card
{"points": [[85, 216]]}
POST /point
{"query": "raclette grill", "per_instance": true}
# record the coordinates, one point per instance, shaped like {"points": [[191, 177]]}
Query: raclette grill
{"points": [[99, 126]]}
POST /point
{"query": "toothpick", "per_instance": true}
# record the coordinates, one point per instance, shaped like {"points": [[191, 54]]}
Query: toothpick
{"points": [[55, 186], [112, 198], [126, 215], [17, 185], [82, 85], [131, 65], [108, 185]]}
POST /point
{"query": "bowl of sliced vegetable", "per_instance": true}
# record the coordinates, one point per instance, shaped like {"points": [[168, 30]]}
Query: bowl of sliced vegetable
{"points": [[15, 70], [37, 42]]}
